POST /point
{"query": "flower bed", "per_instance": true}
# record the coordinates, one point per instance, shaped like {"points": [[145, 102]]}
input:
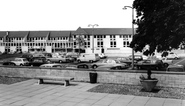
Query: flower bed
{"points": [[161, 92]]}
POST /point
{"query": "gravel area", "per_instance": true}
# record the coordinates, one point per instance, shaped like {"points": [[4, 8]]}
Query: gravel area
{"points": [[10, 80], [161, 92]]}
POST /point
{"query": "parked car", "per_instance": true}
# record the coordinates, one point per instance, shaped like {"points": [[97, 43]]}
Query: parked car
{"points": [[111, 67], [136, 57], [170, 55], [126, 60], [9, 63], [20, 61], [52, 65], [175, 68], [110, 63], [102, 55], [91, 57], [28, 56], [60, 59], [47, 55], [38, 61], [153, 64], [167, 61]]}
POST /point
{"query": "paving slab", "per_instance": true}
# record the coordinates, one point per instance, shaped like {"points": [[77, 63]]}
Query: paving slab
{"points": [[29, 93]]}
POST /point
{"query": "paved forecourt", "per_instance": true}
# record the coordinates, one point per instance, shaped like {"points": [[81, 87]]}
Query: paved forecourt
{"points": [[29, 93]]}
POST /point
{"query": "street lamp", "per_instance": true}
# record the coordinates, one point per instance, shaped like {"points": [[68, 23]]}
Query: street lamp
{"points": [[93, 35], [125, 7]]}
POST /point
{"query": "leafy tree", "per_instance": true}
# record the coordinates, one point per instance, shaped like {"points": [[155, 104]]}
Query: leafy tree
{"points": [[161, 24], [80, 41]]}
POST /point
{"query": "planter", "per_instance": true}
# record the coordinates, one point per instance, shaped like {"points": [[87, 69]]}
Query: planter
{"points": [[93, 77], [148, 85]]}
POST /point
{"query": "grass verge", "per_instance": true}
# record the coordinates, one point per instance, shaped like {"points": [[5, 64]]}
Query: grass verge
{"points": [[161, 92]]}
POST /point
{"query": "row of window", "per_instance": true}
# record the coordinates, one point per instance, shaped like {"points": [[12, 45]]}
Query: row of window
{"points": [[75, 44]]}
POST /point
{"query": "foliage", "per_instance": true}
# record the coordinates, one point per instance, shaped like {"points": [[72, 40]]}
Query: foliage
{"points": [[80, 41], [161, 24]]}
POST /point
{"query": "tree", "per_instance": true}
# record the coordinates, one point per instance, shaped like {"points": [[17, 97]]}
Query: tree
{"points": [[161, 24], [80, 41]]}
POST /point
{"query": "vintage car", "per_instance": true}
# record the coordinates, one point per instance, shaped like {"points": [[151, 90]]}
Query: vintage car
{"points": [[150, 63], [20, 61], [52, 65], [38, 61], [110, 63]]}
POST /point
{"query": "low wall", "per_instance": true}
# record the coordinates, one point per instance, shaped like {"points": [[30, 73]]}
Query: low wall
{"points": [[167, 79]]}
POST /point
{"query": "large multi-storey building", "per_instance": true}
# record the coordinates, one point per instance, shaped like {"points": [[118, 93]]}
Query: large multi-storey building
{"points": [[96, 40]]}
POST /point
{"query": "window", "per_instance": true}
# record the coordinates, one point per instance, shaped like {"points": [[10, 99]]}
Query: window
{"points": [[113, 44], [126, 43]]}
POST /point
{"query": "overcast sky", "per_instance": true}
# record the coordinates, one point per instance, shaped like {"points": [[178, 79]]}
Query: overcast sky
{"points": [[63, 14]]}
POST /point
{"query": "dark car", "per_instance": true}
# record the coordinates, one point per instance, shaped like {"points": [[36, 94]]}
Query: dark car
{"points": [[9, 63], [28, 56], [38, 61], [152, 64]]}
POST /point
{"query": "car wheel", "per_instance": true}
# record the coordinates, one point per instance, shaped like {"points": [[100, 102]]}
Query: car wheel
{"points": [[91, 61], [78, 61], [12, 64], [85, 66], [166, 64], [94, 66], [138, 67], [21, 64], [118, 67], [157, 68]]}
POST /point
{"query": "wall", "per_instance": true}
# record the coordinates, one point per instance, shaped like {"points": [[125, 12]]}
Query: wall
{"points": [[121, 77]]}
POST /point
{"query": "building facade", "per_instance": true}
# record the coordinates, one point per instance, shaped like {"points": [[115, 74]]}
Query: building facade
{"points": [[110, 41]]}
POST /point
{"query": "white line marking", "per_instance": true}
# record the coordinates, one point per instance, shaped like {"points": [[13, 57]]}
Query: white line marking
{"points": [[179, 61]]}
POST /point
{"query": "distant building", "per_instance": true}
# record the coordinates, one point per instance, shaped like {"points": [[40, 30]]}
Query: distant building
{"points": [[110, 41]]}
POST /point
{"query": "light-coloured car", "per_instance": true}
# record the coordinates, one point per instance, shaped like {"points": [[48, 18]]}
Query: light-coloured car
{"points": [[167, 61], [20, 61], [110, 63], [175, 68], [52, 65], [102, 55], [90, 57], [126, 60], [172, 55]]}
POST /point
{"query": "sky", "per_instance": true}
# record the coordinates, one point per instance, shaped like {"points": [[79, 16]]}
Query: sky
{"points": [[28, 15]]}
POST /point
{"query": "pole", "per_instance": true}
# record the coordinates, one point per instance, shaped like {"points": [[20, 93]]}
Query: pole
{"points": [[93, 39], [125, 7], [132, 37]]}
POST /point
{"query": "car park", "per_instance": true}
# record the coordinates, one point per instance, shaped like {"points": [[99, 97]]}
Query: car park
{"points": [[150, 63], [20, 61], [110, 63]]}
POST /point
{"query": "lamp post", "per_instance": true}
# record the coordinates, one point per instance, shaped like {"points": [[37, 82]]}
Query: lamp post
{"points": [[93, 35], [125, 7]]}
